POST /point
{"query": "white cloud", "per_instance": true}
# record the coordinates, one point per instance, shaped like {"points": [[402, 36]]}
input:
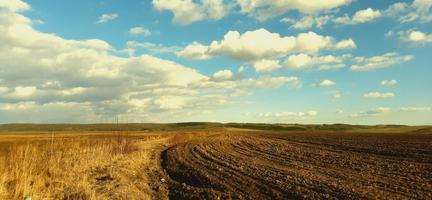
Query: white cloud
{"points": [[240, 84], [366, 15], [396, 8], [345, 44], [73, 91], [189, 11], [298, 61], [306, 114], [265, 9], [304, 23], [307, 21], [416, 109], [266, 65], [3, 90], [106, 18], [171, 102], [415, 37], [135, 31], [259, 44], [303, 61], [371, 113], [378, 62], [361, 16], [223, 75], [58, 112], [417, 11], [86, 82], [22, 92], [194, 51], [19, 106], [14, 5], [388, 82], [379, 95], [327, 83]]}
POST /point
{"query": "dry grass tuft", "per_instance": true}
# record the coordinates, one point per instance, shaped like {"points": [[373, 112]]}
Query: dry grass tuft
{"points": [[76, 168]]}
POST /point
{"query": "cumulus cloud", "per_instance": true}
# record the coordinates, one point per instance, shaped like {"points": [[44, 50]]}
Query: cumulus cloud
{"points": [[189, 11], [260, 44], [304, 61], [361, 16], [266, 65], [14, 5], [61, 80], [379, 95], [223, 75], [388, 82], [378, 62], [327, 83], [194, 51], [136, 31], [307, 21], [417, 11], [371, 113], [345, 44], [265, 9], [106, 18], [415, 37]]}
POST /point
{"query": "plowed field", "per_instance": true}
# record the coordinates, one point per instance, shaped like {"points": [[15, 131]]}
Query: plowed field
{"points": [[301, 166]]}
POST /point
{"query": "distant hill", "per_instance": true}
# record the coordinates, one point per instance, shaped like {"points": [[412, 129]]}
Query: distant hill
{"points": [[209, 125], [106, 127]]}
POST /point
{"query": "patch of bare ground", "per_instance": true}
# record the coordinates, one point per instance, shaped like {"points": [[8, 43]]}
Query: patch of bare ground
{"points": [[301, 166]]}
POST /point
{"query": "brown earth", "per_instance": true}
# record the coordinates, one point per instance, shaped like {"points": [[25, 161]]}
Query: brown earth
{"points": [[208, 162], [301, 166]]}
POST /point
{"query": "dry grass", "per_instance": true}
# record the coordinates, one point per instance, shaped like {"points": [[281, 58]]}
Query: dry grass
{"points": [[76, 168]]}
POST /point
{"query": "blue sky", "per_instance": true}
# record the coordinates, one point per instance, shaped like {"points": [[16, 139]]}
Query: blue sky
{"points": [[338, 61]]}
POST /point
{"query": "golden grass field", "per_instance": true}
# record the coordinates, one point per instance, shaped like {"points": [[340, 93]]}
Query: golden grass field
{"points": [[161, 161], [76, 165]]}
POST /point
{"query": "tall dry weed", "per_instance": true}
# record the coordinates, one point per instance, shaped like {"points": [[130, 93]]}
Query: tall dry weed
{"points": [[61, 168]]}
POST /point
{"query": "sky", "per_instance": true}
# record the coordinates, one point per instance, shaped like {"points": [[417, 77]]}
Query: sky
{"points": [[269, 61]]}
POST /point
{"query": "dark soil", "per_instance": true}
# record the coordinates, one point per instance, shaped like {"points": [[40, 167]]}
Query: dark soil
{"points": [[301, 166]]}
